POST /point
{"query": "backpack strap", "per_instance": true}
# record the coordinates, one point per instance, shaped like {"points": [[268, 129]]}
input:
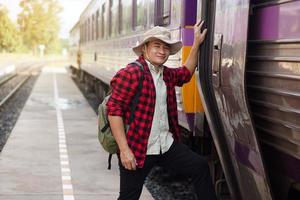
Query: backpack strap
{"points": [[109, 161], [138, 93], [105, 127], [132, 108]]}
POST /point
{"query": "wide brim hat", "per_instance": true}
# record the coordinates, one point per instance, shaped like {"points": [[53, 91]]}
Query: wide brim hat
{"points": [[158, 33]]}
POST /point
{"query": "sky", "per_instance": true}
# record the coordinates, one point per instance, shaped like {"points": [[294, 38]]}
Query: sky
{"points": [[69, 16]]}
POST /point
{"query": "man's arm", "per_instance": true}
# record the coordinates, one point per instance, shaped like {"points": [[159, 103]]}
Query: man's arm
{"points": [[126, 155], [191, 61], [123, 89]]}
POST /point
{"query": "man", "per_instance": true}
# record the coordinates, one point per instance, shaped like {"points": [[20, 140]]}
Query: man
{"points": [[152, 137]]}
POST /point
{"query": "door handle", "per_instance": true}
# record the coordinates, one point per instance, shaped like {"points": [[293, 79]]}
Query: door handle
{"points": [[216, 61]]}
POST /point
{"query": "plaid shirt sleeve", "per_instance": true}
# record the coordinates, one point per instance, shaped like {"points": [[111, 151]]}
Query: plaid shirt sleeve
{"points": [[124, 85], [180, 75]]}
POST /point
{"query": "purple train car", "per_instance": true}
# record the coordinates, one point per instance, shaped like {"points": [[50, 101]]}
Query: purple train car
{"points": [[247, 82], [250, 85]]}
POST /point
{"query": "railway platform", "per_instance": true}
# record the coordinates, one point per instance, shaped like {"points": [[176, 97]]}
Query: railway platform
{"points": [[53, 152]]}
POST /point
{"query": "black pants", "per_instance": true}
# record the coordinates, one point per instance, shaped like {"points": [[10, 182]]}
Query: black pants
{"points": [[179, 159]]}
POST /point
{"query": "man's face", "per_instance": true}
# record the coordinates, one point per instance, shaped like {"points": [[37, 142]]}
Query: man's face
{"points": [[157, 52]]}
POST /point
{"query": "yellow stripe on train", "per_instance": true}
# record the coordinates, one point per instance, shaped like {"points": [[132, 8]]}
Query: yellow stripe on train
{"points": [[190, 95]]}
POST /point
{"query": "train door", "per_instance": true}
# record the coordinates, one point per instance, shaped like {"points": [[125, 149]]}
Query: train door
{"points": [[222, 89]]}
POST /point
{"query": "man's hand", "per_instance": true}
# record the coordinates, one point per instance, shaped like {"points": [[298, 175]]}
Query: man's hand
{"points": [[198, 35], [127, 159], [126, 155]]}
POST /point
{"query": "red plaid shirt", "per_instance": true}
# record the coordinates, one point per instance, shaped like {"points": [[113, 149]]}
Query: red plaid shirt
{"points": [[124, 85]]}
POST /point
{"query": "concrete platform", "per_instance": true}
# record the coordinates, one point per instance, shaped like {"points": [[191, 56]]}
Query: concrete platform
{"points": [[53, 152]]}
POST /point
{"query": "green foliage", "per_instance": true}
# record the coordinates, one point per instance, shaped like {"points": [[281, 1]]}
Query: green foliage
{"points": [[39, 24], [10, 39]]}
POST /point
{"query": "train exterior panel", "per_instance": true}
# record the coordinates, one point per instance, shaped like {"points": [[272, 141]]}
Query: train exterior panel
{"points": [[237, 140], [273, 77], [248, 83]]}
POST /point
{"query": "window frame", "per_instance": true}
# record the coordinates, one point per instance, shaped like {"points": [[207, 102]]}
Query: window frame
{"points": [[162, 17]]}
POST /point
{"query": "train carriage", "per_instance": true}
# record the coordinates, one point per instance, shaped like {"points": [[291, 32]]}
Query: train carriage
{"points": [[247, 79], [108, 30], [74, 57]]}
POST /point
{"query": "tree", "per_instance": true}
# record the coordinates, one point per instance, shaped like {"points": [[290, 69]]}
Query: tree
{"points": [[39, 23], [10, 39]]}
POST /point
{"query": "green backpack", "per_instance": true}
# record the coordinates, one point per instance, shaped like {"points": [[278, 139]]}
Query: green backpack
{"points": [[105, 135]]}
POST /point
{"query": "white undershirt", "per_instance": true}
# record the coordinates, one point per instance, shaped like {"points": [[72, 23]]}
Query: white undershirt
{"points": [[160, 138]]}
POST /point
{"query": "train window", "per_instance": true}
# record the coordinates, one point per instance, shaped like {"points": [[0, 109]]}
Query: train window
{"points": [[89, 30], [120, 17], [80, 34], [103, 20], [115, 17], [139, 14], [166, 11], [110, 17], [126, 7], [151, 8], [83, 33], [162, 14], [86, 31], [97, 24], [93, 27]]}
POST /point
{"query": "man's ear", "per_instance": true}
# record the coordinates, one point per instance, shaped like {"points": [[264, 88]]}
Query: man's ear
{"points": [[144, 48]]}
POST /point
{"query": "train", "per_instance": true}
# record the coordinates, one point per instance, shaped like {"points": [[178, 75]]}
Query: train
{"points": [[241, 109]]}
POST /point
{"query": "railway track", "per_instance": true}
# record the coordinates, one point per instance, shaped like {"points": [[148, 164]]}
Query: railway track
{"points": [[13, 82], [15, 88]]}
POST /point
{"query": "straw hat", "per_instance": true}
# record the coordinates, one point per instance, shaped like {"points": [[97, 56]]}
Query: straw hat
{"points": [[159, 33]]}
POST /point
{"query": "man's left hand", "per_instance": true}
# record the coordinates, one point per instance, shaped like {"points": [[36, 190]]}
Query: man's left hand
{"points": [[198, 35]]}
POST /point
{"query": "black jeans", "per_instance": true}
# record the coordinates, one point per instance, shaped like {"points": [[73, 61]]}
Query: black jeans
{"points": [[178, 159]]}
